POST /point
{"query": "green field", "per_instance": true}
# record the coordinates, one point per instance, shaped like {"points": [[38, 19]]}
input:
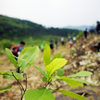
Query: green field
{"points": [[30, 41]]}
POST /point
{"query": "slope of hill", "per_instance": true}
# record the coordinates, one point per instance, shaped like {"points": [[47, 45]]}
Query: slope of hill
{"points": [[13, 27], [81, 59], [82, 28]]}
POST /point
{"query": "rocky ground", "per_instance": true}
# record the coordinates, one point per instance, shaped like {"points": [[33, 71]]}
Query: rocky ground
{"points": [[82, 57]]}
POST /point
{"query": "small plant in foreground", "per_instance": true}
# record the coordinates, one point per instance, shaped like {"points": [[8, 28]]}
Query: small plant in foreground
{"points": [[53, 72]]}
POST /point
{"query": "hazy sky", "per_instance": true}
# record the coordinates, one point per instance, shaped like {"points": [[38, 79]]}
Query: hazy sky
{"points": [[53, 13]]}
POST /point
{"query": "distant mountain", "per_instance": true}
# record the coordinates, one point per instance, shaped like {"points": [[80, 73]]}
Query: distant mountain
{"points": [[82, 28]]}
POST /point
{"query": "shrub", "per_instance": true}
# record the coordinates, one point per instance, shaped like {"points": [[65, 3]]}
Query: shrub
{"points": [[5, 44]]}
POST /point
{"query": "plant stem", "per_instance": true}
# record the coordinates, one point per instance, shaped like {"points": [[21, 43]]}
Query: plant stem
{"points": [[18, 82], [48, 83], [21, 87], [26, 83]]}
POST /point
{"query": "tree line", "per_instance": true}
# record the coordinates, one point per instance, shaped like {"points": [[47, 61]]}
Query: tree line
{"points": [[13, 27]]}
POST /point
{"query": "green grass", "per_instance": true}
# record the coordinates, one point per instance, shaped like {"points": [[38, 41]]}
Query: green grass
{"points": [[29, 40]]}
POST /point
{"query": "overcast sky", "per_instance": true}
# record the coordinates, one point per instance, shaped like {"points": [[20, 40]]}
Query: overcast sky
{"points": [[53, 13]]}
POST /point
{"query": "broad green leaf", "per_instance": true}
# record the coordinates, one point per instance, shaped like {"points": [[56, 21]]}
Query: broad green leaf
{"points": [[21, 55], [11, 57], [6, 88], [28, 58], [46, 55], [72, 94], [23, 51], [44, 79], [58, 55], [40, 94], [60, 72], [17, 75], [71, 82], [54, 65], [82, 81], [81, 74], [42, 71]]}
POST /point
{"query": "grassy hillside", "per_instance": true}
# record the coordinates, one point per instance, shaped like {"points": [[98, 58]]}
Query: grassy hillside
{"points": [[13, 30]]}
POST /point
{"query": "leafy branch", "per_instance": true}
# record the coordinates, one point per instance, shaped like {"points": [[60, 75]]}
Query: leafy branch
{"points": [[53, 72]]}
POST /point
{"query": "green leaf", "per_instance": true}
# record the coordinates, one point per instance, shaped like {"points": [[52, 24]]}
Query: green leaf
{"points": [[82, 81], [6, 88], [46, 55], [81, 74], [60, 72], [23, 51], [72, 94], [71, 82], [44, 79], [20, 57], [41, 70], [54, 78], [17, 75], [11, 57], [4, 72], [54, 65], [58, 55], [40, 94], [28, 58]]}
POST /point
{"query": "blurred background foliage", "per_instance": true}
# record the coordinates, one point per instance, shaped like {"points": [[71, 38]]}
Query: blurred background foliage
{"points": [[13, 30]]}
